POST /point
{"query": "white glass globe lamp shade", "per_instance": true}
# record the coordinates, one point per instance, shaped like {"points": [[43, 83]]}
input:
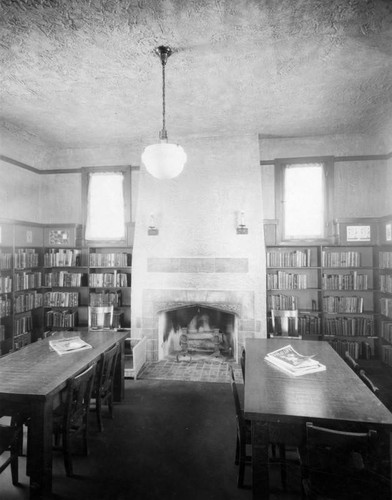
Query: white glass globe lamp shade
{"points": [[164, 160]]}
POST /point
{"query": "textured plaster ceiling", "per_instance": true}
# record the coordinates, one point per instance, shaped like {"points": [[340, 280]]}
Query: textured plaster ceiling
{"points": [[83, 73]]}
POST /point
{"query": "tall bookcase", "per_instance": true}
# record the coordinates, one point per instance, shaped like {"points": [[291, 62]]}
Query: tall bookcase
{"points": [[109, 281], [49, 277], [65, 279], [21, 280], [383, 258], [331, 287]]}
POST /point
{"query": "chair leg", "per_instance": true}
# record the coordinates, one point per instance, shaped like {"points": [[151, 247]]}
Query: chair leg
{"points": [[67, 454], [110, 405], [283, 470], [242, 463], [15, 448], [237, 451], [98, 404]]}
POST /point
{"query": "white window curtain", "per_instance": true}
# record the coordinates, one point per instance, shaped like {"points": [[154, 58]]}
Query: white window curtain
{"points": [[105, 206], [304, 201]]}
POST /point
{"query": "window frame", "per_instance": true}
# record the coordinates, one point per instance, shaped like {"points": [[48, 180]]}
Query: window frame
{"points": [[328, 186], [126, 170]]}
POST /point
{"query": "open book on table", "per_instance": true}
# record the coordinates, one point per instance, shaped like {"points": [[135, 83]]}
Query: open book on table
{"points": [[68, 345], [289, 360]]}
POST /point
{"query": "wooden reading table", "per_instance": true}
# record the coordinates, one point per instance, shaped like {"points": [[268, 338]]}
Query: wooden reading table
{"points": [[30, 381], [334, 396]]}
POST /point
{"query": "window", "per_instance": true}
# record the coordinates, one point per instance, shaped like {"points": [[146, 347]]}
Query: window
{"points": [[303, 193], [105, 198]]}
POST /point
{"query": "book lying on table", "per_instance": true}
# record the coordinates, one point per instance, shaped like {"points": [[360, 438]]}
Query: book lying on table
{"points": [[290, 361], [67, 345]]}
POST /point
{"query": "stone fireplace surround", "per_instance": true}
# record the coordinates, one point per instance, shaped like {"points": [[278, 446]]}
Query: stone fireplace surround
{"points": [[238, 303]]}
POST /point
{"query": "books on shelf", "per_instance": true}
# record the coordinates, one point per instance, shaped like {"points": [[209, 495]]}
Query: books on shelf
{"points": [[290, 361], [68, 345]]}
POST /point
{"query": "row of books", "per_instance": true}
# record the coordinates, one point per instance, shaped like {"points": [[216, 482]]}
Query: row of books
{"points": [[26, 257], [282, 302], [62, 257], [351, 281], [23, 325], [63, 279], [5, 260], [5, 306], [5, 284], [309, 325], [291, 258], [340, 259], [106, 298], [2, 333], [356, 349], [26, 280], [27, 302], [334, 304], [61, 299], [386, 307], [114, 259], [282, 280], [386, 354], [349, 327], [385, 260], [21, 340], [110, 280], [386, 331], [63, 319], [386, 283]]}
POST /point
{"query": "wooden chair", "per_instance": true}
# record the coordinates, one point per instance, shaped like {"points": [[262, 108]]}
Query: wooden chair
{"points": [[341, 465], [368, 382], [351, 362], [100, 317], [243, 442], [242, 362], [10, 441], [71, 418], [242, 459], [284, 323], [103, 385]]}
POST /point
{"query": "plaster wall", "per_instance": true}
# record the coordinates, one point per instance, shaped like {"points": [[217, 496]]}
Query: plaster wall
{"points": [[19, 193], [60, 200]]}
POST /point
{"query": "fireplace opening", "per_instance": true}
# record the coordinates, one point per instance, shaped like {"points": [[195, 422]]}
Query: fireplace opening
{"points": [[197, 331]]}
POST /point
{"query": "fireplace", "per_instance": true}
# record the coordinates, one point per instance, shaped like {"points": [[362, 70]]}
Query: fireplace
{"points": [[197, 331]]}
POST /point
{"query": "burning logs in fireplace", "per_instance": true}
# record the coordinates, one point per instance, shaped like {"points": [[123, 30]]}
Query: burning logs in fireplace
{"points": [[206, 342]]}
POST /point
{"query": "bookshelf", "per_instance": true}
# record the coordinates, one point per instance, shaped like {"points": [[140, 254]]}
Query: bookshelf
{"points": [[383, 258], [293, 282], [332, 288], [65, 279], [109, 281]]}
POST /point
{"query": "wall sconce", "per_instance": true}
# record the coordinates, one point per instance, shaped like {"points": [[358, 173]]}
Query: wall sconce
{"points": [[241, 228], [152, 229]]}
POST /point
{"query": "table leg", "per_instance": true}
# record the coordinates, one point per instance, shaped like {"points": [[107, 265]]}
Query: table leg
{"points": [[40, 448], [260, 475]]}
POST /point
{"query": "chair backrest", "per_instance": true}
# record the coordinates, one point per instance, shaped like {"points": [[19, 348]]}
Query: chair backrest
{"points": [[242, 362], [337, 462], [106, 369], [351, 362], [78, 396], [237, 404], [100, 317], [368, 382], [284, 323]]}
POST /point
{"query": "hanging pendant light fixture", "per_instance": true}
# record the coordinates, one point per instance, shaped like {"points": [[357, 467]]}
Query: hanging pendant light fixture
{"points": [[164, 160]]}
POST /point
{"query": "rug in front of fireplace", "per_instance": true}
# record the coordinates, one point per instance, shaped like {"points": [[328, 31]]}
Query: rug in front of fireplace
{"points": [[191, 371]]}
